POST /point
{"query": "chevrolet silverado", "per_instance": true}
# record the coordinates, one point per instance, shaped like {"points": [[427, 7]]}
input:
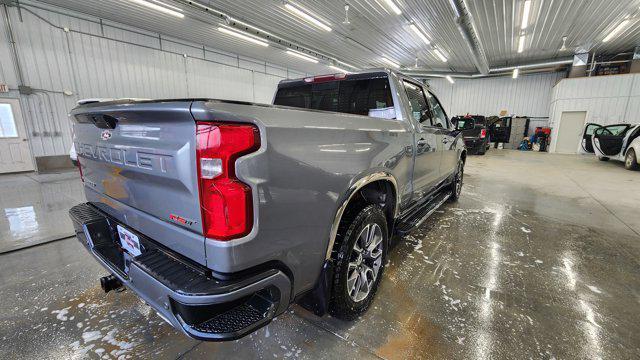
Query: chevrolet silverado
{"points": [[220, 214]]}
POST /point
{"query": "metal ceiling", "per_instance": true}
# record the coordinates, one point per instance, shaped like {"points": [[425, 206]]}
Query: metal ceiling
{"points": [[375, 30]]}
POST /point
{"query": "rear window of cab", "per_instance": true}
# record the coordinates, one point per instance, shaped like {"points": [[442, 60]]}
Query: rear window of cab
{"points": [[369, 97]]}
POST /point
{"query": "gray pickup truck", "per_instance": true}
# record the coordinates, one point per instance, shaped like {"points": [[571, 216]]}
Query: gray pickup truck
{"points": [[219, 214]]}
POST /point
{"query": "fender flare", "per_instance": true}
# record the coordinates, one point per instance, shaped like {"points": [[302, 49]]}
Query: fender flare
{"points": [[353, 189]]}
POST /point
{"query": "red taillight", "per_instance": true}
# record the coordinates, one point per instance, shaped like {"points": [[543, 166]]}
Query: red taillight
{"points": [[225, 201], [483, 133]]}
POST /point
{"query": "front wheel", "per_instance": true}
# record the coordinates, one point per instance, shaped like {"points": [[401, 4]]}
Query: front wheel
{"points": [[631, 161], [456, 185], [359, 263]]}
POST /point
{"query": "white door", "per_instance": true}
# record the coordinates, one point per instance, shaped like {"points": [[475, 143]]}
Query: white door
{"points": [[15, 154], [570, 131]]}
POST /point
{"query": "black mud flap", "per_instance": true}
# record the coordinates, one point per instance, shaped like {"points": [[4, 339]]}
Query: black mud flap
{"points": [[317, 300]]}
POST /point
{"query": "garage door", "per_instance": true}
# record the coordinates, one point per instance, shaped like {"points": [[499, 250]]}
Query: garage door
{"points": [[570, 131], [15, 154]]}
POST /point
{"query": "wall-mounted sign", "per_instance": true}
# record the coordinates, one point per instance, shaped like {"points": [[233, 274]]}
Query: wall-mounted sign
{"points": [[4, 88]]}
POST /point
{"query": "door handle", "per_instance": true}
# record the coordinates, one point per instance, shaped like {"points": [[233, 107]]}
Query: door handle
{"points": [[445, 140]]}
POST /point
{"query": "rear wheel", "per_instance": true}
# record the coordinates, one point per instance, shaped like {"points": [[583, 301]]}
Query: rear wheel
{"points": [[603, 158], [631, 161], [359, 263]]}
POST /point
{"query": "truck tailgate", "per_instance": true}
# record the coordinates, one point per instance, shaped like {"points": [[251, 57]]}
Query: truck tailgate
{"points": [[138, 161]]}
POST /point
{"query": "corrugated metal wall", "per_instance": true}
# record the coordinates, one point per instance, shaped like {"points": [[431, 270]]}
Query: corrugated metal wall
{"points": [[528, 95], [606, 99], [90, 58]]}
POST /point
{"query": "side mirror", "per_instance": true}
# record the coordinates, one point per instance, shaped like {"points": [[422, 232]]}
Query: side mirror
{"points": [[439, 125]]}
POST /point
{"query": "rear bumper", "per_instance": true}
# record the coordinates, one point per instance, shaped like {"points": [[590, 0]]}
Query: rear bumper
{"points": [[184, 293], [475, 146]]}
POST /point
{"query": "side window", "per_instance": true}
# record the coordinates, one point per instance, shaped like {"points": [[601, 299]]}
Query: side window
{"points": [[591, 128], [417, 102], [439, 116]]}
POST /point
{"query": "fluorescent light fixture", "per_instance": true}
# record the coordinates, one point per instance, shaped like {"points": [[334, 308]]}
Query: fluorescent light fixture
{"points": [[450, 79], [440, 55], [455, 8], [393, 7], [420, 34], [164, 8], [304, 15], [521, 44], [302, 56], [338, 69], [391, 62], [525, 14], [615, 31], [516, 72], [244, 36]]}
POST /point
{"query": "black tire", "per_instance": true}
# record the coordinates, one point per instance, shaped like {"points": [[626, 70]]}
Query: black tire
{"points": [[456, 185], [631, 161], [343, 305], [603, 158]]}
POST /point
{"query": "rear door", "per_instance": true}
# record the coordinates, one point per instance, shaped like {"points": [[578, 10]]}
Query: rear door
{"points": [[428, 150], [608, 140], [587, 145], [446, 136]]}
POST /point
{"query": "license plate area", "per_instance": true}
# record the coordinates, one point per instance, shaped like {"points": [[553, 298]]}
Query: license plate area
{"points": [[129, 241]]}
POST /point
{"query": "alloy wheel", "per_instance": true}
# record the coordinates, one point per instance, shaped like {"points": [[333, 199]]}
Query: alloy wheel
{"points": [[365, 262]]}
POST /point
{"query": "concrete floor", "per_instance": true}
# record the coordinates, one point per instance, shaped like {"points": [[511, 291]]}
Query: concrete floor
{"points": [[539, 259], [35, 208]]}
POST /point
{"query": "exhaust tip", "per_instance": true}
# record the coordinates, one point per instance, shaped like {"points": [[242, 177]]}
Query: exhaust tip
{"points": [[108, 283]]}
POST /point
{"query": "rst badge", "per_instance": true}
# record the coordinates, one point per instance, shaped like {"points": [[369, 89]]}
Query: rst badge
{"points": [[106, 135], [180, 219]]}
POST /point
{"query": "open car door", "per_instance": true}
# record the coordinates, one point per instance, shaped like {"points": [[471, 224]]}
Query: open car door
{"points": [[587, 145], [500, 130], [608, 140]]}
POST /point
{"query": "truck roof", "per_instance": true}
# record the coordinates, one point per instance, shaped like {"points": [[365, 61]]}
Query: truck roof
{"points": [[361, 74]]}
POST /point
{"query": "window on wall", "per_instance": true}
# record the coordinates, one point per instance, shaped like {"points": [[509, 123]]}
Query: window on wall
{"points": [[7, 122]]}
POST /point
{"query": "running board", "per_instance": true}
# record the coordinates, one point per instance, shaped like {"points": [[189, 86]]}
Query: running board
{"points": [[417, 218]]}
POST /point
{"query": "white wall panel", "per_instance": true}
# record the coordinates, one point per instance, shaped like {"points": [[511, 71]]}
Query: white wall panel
{"points": [[529, 95], [112, 60], [606, 99], [263, 84]]}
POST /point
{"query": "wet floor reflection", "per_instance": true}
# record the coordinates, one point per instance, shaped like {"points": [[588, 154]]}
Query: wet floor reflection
{"points": [[34, 208], [22, 221]]}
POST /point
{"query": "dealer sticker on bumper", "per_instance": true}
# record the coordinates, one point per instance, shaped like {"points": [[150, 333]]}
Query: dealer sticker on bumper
{"points": [[129, 241]]}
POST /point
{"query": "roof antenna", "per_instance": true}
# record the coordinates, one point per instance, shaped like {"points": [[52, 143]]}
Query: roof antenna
{"points": [[346, 15], [564, 44]]}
